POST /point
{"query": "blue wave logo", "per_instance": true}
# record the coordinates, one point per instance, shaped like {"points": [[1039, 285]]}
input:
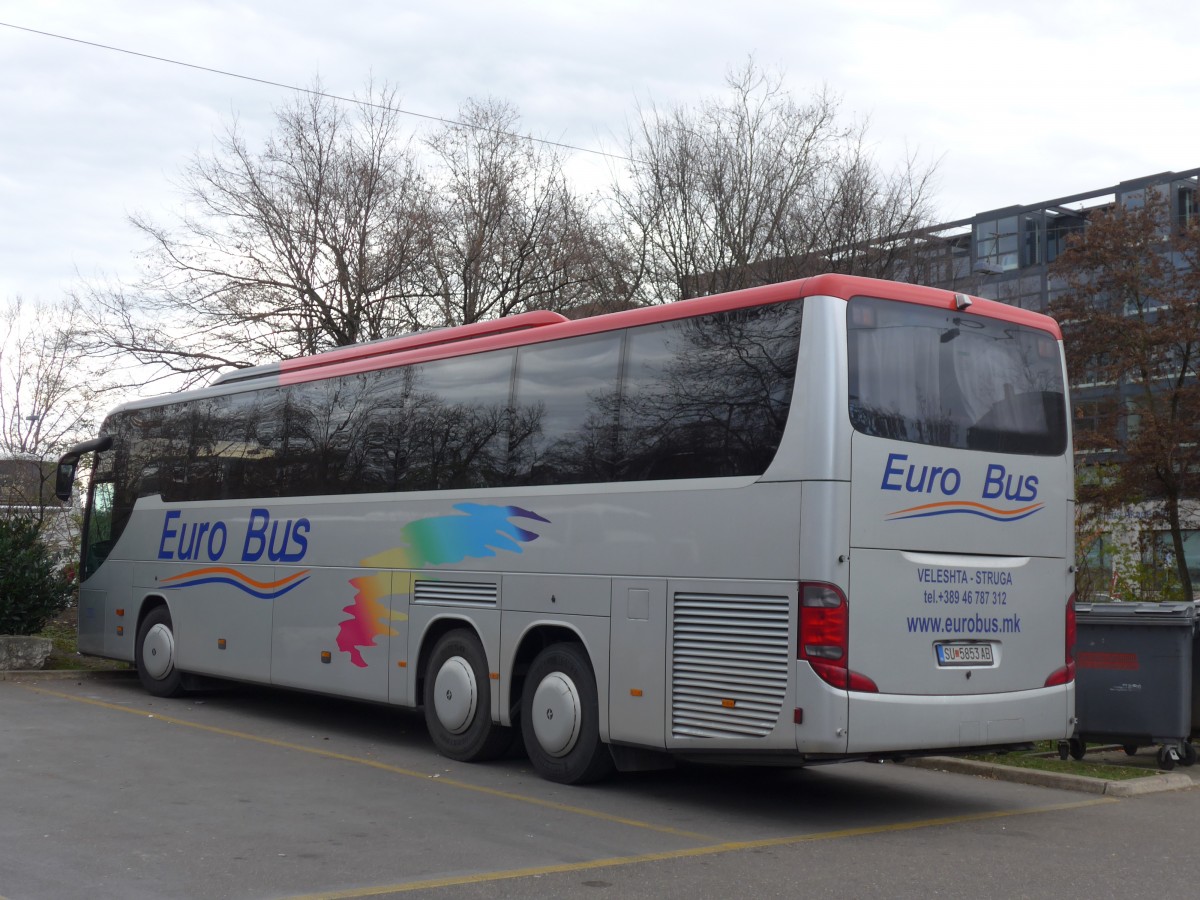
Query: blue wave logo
{"points": [[263, 590], [965, 508]]}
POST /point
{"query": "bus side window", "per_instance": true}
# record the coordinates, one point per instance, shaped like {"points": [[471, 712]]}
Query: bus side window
{"points": [[100, 520]]}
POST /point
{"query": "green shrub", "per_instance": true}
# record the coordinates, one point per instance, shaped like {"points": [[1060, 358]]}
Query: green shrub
{"points": [[32, 590]]}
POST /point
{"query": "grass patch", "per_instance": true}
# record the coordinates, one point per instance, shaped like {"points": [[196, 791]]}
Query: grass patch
{"points": [[65, 656], [63, 635], [1044, 758]]}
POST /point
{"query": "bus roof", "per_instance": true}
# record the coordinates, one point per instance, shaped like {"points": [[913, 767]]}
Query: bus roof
{"points": [[540, 326], [433, 338]]}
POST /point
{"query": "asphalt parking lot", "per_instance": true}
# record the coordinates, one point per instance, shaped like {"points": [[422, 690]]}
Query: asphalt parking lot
{"points": [[255, 793]]}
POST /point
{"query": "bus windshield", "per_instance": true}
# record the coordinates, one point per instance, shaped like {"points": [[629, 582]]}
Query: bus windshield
{"points": [[946, 379]]}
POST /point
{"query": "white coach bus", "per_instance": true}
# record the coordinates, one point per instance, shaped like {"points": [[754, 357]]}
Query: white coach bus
{"points": [[823, 520]]}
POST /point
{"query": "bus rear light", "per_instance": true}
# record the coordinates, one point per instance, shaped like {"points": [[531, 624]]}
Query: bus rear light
{"points": [[1066, 674], [825, 637], [823, 622], [841, 677]]}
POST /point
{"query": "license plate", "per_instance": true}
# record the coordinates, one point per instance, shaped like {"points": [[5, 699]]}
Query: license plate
{"points": [[964, 654]]}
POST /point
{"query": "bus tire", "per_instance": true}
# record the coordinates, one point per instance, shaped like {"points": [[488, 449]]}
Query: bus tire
{"points": [[458, 701], [154, 655], [560, 717]]}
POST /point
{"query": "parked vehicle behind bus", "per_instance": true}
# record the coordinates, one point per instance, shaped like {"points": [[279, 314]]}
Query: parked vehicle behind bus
{"points": [[823, 520]]}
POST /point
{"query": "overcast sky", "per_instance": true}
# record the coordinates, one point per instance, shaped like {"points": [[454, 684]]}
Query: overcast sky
{"points": [[1020, 101]]}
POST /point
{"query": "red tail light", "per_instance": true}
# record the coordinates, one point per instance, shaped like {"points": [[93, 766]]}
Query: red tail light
{"points": [[825, 637], [1066, 674]]}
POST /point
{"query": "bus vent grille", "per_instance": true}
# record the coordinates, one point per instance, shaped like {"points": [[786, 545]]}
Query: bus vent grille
{"points": [[455, 593], [730, 658]]}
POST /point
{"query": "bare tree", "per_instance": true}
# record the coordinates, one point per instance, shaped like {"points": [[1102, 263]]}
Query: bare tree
{"points": [[508, 233], [755, 188], [308, 244], [337, 231], [46, 401], [870, 219]]}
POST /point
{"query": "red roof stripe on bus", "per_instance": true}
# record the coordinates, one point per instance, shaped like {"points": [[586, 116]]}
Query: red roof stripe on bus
{"points": [[435, 337], [774, 293], [847, 286], [459, 342]]}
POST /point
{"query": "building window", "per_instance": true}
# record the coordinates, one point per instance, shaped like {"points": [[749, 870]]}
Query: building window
{"points": [[1031, 239], [1095, 425], [996, 245], [1094, 575], [1158, 558], [1087, 416], [1187, 208], [1133, 419], [1059, 227]]}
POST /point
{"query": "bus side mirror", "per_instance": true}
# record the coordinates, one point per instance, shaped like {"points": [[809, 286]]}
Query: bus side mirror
{"points": [[65, 481]]}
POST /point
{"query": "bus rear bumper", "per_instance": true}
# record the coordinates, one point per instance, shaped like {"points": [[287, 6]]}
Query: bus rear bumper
{"points": [[892, 722]]}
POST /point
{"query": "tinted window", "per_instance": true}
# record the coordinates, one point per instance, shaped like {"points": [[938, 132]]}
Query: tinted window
{"points": [[708, 396], [939, 377], [563, 428], [318, 434], [445, 422], [700, 397]]}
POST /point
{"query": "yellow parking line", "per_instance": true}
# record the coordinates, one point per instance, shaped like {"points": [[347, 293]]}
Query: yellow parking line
{"points": [[375, 764], [693, 852], [532, 871]]}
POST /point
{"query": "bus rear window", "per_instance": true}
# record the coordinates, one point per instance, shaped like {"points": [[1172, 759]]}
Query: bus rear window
{"points": [[946, 379]]}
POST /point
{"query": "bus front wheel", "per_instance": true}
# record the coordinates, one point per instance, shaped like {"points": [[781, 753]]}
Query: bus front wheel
{"points": [[560, 717], [155, 655], [458, 701]]}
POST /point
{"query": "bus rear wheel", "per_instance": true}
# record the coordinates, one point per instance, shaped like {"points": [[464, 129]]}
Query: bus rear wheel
{"points": [[560, 717], [458, 701], [154, 655]]}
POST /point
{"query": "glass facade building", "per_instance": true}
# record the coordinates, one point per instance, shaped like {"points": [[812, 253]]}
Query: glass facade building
{"points": [[1006, 255]]}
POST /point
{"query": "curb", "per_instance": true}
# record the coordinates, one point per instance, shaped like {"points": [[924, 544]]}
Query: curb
{"points": [[65, 674], [1167, 781]]}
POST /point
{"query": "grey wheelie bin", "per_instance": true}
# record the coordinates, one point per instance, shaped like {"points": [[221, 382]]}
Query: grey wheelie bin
{"points": [[1135, 684]]}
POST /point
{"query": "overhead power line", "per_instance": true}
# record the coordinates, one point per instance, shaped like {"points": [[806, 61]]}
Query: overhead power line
{"points": [[315, 93]]}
